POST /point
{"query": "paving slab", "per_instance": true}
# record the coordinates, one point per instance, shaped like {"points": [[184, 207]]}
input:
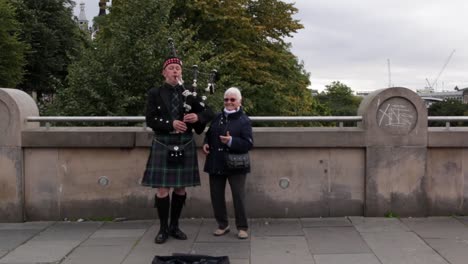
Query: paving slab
{"points": [[11, 238], [437, 227], [110, 233], [68, 231], [105, 255], [52, 244], [145, 249], [463, 219], [276, 227], [234, 250], [434, 240], [346, 259], [40, 252], [335, 240], [130, 224], [111, 241], [378, 224], [453, 250], [401, 248], [324, 222], [209, 226], [239, 261], [27, 225], [280, 249]]}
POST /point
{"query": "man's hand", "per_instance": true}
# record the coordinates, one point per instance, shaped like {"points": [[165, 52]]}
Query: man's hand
{"points": [[179, 126], [191, 118]]}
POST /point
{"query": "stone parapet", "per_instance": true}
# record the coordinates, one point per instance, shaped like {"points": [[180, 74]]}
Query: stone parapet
{"points": [[391, 163], [15, 105]]}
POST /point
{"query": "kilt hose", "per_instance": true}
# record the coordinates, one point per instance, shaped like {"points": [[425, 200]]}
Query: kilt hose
{"points": [[160, 173]]}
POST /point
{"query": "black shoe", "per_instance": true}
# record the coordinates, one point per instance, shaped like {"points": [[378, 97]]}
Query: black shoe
{"points": [[162, 236], [176, 233]]}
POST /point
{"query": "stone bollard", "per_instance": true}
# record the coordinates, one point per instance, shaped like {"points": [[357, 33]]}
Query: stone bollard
{"points": [[395, 125], [15, 106]]}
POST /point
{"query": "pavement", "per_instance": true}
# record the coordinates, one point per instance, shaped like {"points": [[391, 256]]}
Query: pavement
{"points": [[350, 240]]}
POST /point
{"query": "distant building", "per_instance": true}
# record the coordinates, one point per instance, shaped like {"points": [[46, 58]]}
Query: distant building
{"points": [[363, 93], [431, 96], [82, 20]]}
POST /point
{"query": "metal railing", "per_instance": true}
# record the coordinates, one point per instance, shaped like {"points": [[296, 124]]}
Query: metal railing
{"points": [[141, 119]]}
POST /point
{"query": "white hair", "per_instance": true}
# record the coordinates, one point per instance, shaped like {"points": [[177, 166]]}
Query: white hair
{"points": [[233, 91]]}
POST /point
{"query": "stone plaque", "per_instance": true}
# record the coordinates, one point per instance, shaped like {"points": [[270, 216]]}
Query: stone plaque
{"points": [[397, 115]]}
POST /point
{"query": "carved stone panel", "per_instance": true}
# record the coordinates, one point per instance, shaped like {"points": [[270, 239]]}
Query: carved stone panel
{"points": [[397, 116]]}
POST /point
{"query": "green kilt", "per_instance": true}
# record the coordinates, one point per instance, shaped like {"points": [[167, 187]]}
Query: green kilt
{"points": [[160, 173]]}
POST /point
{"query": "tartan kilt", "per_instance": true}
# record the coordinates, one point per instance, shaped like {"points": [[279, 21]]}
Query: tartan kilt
{"points": [[160, 173]]}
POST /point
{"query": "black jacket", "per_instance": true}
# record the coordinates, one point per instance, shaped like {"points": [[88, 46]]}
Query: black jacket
{"points": [[240, 128], [158, 113]]}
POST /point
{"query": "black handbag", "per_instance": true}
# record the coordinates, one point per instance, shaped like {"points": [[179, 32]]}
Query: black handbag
{"points": [[190, 259], [237, 161]]}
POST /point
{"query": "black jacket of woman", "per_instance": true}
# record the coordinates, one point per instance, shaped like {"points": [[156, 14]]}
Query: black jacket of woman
{"points": [[240, 128]]}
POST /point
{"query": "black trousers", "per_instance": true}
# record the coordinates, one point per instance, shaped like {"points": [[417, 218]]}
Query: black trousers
{"points": [[218, 201]]}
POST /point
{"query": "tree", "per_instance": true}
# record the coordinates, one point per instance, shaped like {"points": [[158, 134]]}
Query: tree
{"points": [[55, 40], [449, 107], [247, 36], [339, 99], [238, 37], [124, 61], [12, 49]]}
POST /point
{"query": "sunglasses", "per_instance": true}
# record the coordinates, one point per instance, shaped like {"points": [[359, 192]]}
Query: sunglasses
{"points": [[232, 100]]}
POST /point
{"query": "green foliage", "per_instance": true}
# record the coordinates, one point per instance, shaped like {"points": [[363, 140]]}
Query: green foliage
{"points": [[391, 214], [12, 49], [124, 61], [248, 39], [449, 107], [242, 39], [339, 99], [55, 40]]}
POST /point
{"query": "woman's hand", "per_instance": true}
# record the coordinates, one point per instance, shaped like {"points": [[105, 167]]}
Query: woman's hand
{"points": [[206, 149], [225, 139]]}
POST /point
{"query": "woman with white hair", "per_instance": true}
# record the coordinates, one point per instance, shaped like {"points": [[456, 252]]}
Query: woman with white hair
{"points": [[230, 132]]}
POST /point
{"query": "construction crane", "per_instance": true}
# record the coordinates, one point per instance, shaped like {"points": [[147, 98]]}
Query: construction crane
{"points": [[431, 86], [389, 74]]}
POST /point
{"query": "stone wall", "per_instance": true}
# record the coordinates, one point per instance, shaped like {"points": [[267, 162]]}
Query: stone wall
{"points": [[391, 163]]}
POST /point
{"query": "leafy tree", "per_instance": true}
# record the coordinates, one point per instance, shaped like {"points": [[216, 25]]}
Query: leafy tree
{"points": [[12, 49], [449, 107], [247, 36], [339, 99], [124, 61], [55, 40], [240, 37]]}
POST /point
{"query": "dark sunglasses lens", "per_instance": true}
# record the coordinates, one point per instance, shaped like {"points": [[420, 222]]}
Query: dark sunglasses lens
{"points": [[229, 99]]}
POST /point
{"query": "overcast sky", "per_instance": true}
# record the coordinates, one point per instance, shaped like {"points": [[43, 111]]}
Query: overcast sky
{"points": [[353, 41]]}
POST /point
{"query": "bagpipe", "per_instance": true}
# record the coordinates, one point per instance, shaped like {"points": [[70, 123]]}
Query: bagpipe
{"points": [[211, 76]]}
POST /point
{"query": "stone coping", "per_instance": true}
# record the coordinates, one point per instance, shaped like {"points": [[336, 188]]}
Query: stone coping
{"points": [[265, 137], [129, 137]]}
